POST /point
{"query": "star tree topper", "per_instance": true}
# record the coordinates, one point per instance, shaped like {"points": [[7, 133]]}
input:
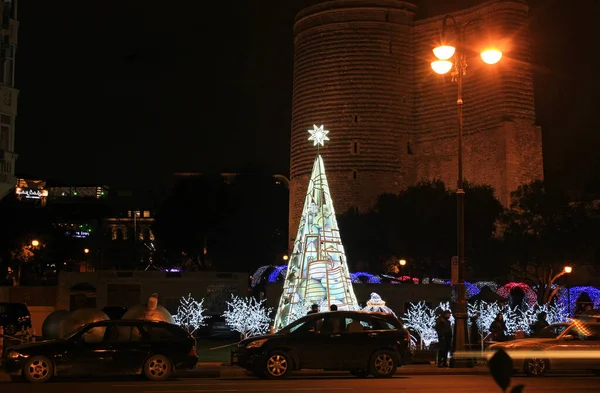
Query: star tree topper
{"points": [[319, 135]]}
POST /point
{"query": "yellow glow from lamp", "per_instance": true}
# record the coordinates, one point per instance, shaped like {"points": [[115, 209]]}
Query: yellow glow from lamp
{"points": [[568, 269], [86, 250], [491, 56], [444, 52], [285, 257], [35, 243], [441, 66], [402, 262]]}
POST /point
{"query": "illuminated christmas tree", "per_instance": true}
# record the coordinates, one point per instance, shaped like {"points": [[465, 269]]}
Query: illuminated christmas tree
{"points": [[317, 270]]}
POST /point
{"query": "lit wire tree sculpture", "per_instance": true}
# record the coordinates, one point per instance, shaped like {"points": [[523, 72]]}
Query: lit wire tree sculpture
{"points": [[317, 270], [190, 314]]}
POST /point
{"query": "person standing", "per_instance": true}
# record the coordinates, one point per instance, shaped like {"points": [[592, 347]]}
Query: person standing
{"points": [[539, 325], [313, 309], [498, 329], [444, 333]]}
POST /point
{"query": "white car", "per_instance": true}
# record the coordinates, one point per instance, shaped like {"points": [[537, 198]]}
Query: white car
{"points": [[577, 348]]}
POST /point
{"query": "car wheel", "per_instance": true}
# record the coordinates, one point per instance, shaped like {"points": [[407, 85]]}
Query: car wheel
{"points": [[535, 367], [360, 373], [278, 365], [383, 364], [38, 369], [157, 368]]}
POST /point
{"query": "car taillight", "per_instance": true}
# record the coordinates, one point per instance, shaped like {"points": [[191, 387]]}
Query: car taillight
{"points": [[193, 351]]}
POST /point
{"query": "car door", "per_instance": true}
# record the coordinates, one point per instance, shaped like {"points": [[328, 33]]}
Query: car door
{"points": [[313, 341], [128, 351], [360, 338], [573, 348], [589, 346], [86, 353]]}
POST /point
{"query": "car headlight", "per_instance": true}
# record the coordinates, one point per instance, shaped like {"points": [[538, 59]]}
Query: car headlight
{"points": [[256, 343], [12, 355]]}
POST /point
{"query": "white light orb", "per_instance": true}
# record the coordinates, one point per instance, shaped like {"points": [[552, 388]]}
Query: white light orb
{"points": [[441, 66], [444, 52], [491, 56]]}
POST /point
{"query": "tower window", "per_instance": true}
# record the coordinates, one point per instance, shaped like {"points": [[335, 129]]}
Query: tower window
{"points": [[354, 175], [390, 47], [409, 148], [355, 118], [355, 147]]}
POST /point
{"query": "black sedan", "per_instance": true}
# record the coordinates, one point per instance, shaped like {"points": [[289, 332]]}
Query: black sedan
{"points": [[121, 347], [363, 343]]}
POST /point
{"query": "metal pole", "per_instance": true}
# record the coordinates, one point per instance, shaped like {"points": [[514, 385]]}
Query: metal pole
{"points": [[461, 311]]}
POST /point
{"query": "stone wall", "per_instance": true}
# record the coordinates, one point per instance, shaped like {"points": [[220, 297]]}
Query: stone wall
{"points": [[362, 69]]}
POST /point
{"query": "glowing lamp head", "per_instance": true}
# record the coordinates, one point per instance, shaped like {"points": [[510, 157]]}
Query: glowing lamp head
{"points": [[402, 262], [444, 52], [491, 56], [35, 243], [285, 257], [568, 269], [86, 250], [441, 66]]}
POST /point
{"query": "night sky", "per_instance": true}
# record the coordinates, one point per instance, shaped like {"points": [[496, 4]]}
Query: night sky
{"points": [[127, 92]]}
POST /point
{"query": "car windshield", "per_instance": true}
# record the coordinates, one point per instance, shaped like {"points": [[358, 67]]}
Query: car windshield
{"points": [[74, 332], [292, 327]]}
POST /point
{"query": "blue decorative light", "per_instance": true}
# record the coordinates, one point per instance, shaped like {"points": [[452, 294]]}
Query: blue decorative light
{"points": [[472, 289], [575, 292], [279, 270], [371, 279]]}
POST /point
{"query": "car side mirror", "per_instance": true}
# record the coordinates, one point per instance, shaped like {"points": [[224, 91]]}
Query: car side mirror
{"points": [[567, 337]]}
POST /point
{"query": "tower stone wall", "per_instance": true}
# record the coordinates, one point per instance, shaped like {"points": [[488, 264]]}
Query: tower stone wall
{"points": [[362, 69]]}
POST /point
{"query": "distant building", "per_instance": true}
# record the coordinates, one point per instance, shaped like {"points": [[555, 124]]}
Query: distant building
{"points": [[9, 27], [134, 225], [31, 191]]}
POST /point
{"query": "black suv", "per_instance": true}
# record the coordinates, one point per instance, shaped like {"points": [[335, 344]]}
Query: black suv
{"points": [[14, 317], [123, 347], [364, 343]]}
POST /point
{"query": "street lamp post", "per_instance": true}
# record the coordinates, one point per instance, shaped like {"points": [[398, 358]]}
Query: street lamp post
{"points": [[443, 65], [402, 263], [566, 270]]}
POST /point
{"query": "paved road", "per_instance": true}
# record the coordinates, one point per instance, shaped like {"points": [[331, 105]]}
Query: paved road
{"points": [[420, 384]]}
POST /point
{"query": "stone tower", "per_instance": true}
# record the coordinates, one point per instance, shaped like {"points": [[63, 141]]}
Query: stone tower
{"points": [[8, 94], [363, 68]]}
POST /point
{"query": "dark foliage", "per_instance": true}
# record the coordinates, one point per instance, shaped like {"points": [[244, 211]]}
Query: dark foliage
{"points": [[419, 224], [230, 226]]}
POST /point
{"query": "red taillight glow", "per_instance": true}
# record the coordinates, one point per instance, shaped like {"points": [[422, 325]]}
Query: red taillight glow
{"points": [[192, 351]]}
